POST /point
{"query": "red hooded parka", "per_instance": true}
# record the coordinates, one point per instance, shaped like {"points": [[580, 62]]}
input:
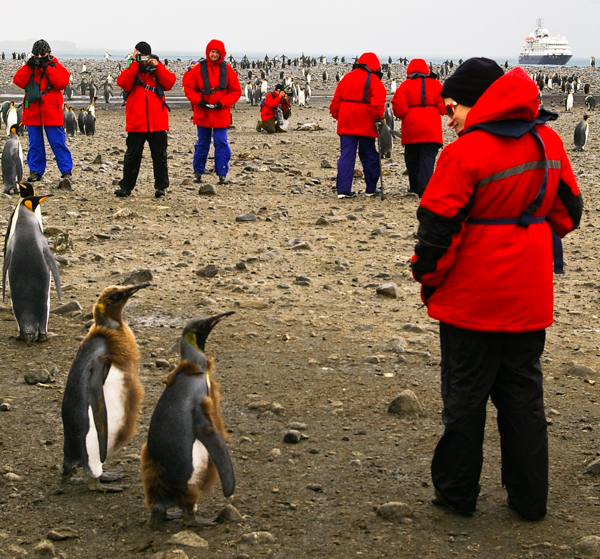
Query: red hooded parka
{"points": [[495, 277], [193, 86], [145, 111], [48, 111], [271, 102], [355, 115], [420, 114]]}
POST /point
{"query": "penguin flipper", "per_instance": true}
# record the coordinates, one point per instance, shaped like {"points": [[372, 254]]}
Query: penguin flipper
{"points": [[7, 258], [98, 371], [53, 268], [18, 162], [215, 444]]}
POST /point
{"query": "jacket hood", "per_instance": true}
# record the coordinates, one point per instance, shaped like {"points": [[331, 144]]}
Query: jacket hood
{"points": [[370, 59], [216, 45], [417, 65], [512, 96]]}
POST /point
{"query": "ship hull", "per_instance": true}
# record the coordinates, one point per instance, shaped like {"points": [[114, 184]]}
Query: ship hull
{"points": [[545, 59]]}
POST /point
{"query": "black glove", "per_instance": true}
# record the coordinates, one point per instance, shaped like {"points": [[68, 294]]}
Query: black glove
{"points": [[31, 61], [203, 103], [43, 63], [218, 105], [378, 123]]}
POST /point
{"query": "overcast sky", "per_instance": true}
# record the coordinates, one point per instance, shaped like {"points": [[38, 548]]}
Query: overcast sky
{"points": [[415, 28]]}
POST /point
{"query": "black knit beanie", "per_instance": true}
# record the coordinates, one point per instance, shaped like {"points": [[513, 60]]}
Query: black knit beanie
{"points": [[143, 48], [279, 87], [40, 47], [470, 80]]}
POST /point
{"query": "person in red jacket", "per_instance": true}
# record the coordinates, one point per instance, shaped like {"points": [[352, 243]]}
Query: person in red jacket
{"points": [[276, 99], [418, 104], [145, 81], [484, 257], [358, 102], [212, 86], [43, 78]]}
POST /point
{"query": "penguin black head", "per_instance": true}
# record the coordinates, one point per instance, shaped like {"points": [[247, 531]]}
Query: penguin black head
{"points": [[108, 309], [196, 332], [14, 128], [26, 189], [32, 202]]}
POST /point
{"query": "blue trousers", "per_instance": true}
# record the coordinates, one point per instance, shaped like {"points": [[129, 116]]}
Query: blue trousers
{"points": [[222, 150], [36, 156], [420, 161], [369, 159]]}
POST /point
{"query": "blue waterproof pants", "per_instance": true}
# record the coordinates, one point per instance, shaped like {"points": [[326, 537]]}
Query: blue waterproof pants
{"points": [[222, 150], [36, 156], [369, 159]]}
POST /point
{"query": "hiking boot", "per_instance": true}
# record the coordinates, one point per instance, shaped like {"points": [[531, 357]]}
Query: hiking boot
{"points": [[197, 177], [159, 192], [34, 176], [259, 126], [223, 179], [440, 501], [347, 195], [376, 192], [122, 192]]}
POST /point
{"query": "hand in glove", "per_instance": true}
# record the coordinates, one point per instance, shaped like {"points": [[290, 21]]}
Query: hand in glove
{"points": [[218, 105], [203, 104]]}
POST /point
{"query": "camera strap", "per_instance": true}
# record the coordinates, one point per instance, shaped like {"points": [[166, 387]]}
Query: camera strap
{"points": [[160, 92]]}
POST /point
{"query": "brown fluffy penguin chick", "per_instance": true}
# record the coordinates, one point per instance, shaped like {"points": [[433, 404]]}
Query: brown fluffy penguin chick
{"points": [[103, 394], [186, 446]]}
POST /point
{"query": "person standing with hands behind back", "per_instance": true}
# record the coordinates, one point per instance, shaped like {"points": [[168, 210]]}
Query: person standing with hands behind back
{"points": [[145, 81], [212, 86], [43, 78]]}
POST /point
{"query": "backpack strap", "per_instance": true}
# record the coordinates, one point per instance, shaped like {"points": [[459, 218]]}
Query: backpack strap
{"points": [[206, 89]]}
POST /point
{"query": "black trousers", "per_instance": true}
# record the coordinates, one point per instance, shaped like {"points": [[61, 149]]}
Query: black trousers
{"points": [[133, 159], [420, 161], [505, 367]]}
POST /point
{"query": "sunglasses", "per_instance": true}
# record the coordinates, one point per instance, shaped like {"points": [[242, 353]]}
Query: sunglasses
{"points": [[450, 107]]}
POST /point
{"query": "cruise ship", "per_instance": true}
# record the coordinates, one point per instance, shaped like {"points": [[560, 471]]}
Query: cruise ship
{"points": [[540, 48]]}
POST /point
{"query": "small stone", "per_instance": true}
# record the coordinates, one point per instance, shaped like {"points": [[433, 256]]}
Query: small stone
{"points": [[62, 533], [406, 403], [37, 375], [395, 345], [581, 371], [298, 426], [275, 454], [304, 245], [188, 538], [317, 487], [4, 406], [252, 304], [171, 554], [97, 160], [258, 537], [207, 302], [67, 308], [588, 545], [241, 266], [394, 511], [594, 467], [326, 165], [276, 408], [322, 221], [45, 548], [209, 271], [292, 436], [374, 359], [246, 217], [162, 364], [207, 189], [11, 476], [229, 514], [388, 290], [139, 276]]}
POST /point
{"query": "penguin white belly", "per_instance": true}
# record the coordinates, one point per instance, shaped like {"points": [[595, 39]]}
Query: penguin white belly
{"points": [[114, 397], [200, 460], [92, 447]]}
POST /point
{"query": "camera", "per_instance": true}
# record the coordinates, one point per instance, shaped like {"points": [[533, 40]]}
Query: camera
{"points": [[139, 57]]}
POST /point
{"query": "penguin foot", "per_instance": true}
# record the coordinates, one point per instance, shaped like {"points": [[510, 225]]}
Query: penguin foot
{"points": [[95, 485], [109, 477], [190, 519], [42, 338]]}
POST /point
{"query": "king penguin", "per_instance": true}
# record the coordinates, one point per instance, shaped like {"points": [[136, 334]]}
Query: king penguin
{"points": [[81, 121], [71, 123], [103, 394], [186, 438], [29, 264], [12, 162], [581, 134]]}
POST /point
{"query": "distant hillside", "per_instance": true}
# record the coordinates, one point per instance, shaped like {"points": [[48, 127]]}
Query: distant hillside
{"points": [[25, 46]]}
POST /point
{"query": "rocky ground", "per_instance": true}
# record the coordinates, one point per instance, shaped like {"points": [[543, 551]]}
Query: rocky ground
{"points": [[313, 347]]}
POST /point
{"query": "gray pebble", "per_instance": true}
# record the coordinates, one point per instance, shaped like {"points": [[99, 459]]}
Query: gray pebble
{"points": [[388, 290], [394, 511], [246, 217], [34, 376], [581, 371], [298, 426], [4, 406], [588, 545], [406, 403], [275, 454], [45, 548], [67, 308], [62, 533], [189, 538], [209, 271], [395, 345], [304, 245], [292, 436], [594, 467], [229, 514], [207, 189], [258, 537], [162, 364], [138, 276]]}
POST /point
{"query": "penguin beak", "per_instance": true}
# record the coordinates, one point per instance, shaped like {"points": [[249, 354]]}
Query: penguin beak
{"points": [[132, 289]]}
